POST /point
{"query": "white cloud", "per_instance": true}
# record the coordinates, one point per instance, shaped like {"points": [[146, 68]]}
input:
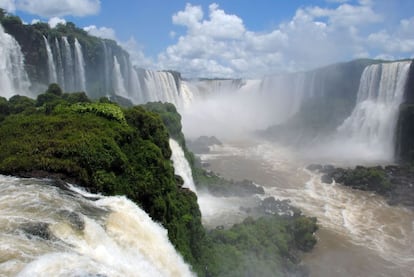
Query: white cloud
{"points": [[102, 32], [217, 44], [8, 5], [54, 21], [52, 8], [136, 53]]}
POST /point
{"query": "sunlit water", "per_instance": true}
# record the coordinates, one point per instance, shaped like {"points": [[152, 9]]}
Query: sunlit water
{"points": [[47, 231], [360, 234]]}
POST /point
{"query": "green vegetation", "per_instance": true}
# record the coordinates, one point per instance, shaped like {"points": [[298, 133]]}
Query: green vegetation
{"points": [[105, 149], [30, 39], [364, 178], [267, 246], [125, 151]]}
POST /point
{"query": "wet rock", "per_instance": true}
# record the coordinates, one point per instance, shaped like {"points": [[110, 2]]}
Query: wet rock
{"points": [[327, 179], [314, 167], [74, 219], [203, 144], [37, 229], [272, 206]]}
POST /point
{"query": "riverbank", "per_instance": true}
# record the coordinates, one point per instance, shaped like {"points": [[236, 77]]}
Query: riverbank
{"points": [[394, 182]]}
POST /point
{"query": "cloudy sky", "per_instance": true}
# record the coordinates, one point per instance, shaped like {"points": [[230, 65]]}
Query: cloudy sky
{"points": [[238, 38]]}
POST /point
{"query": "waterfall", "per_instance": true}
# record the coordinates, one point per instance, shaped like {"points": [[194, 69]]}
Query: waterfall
{"points": [[373, 120], [181, 165], [60, 70], [50, 62], [118, 80], [161, 86], [107, 64], [79, 67], [47, 231], [68, 67], [286, 93], [13, 77]]}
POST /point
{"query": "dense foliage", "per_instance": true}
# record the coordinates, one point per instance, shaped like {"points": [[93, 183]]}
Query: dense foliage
{"points": [[267, 246], [104, 148]]}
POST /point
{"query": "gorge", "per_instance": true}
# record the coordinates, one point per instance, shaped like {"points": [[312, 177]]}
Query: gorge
{"points": [[345, 114]]}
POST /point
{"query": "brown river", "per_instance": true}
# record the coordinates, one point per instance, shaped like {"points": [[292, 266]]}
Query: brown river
{"points": [[359, 234]]}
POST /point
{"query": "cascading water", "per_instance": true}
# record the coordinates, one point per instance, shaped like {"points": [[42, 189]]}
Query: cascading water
{"points": [[118, 80], [161, 86], [107, 63], [286, 93], [181, 165], [60, 69], [79, 67], [69, 66], [50, 62], [13, 77], [373, 120], [47, 231]]}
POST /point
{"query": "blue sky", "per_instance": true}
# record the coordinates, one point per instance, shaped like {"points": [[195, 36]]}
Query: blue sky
{"points": [[238, 38]]}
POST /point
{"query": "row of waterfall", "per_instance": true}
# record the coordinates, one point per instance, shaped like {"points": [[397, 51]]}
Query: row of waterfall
{"points": [[277, 97], [67, 67]]}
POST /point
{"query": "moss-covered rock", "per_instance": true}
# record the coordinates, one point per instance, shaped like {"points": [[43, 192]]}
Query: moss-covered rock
{"points": [[106, 149]]}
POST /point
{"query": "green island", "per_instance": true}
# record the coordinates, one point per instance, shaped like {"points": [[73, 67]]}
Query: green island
{"points": [[106, 148]]}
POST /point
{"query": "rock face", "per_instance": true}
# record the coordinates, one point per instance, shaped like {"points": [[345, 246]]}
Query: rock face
{"points": [[202, 144], [396, 183]]}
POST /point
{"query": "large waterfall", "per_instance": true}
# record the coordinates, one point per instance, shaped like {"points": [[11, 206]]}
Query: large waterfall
{"points": [[181, 165], [374, 118], [47, 231], [13, 77]]}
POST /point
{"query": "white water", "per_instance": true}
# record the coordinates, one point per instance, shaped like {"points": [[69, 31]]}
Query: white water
{"points": [[118, 80], [13, 77], [161, 86], [360, 234], [59, 60], [50, 62], [68, 66], [79, 67], [373, 120], [117, 238], [181, 165]]}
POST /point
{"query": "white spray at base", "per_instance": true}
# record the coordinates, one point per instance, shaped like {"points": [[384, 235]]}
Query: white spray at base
{"points": [[13, 77], [181, 165], [80, 237], [371, 126]]}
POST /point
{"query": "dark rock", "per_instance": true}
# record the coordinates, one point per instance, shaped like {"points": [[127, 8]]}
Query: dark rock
{"points": [[37, 229], [203, 144], [75, 220], [314, 167], [327, 179]]}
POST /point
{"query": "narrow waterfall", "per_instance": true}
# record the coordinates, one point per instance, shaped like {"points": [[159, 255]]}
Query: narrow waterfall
{"points": [[107, 70], [50, 62], [79, 67], [373, 120], [47, 231], [60, 69], [118, 81], [13, 77], [68, 68], [181, 165]]}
